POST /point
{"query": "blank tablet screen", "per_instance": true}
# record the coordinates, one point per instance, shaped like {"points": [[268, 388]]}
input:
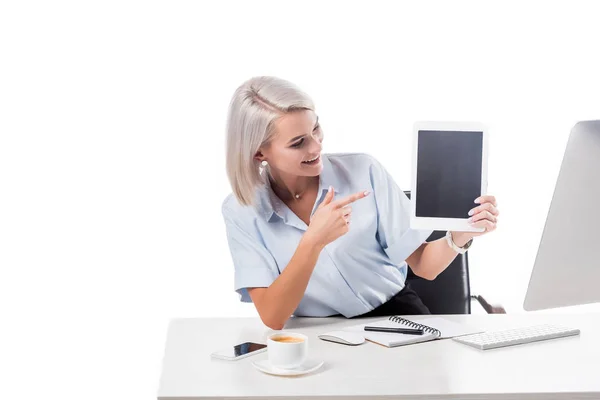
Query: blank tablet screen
{"points": [[448, 173]]}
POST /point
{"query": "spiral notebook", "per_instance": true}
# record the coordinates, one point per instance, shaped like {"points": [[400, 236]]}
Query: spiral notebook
{"points": [[433, 327]]}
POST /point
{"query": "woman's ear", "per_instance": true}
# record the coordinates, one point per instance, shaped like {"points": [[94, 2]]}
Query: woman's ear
{"points": [[259, 156]]}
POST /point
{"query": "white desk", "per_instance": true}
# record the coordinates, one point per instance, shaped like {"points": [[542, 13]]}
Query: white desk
{"points": [[566, 368]]}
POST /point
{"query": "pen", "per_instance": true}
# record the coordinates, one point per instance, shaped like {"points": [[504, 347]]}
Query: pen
{"points": [[394, 330]]}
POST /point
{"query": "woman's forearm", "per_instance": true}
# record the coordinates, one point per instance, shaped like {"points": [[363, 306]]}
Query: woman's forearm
{"points": [[436, 256], [276, 303]]}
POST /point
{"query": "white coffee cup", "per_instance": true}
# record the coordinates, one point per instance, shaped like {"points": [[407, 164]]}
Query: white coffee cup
{"points": [[287, 350]]}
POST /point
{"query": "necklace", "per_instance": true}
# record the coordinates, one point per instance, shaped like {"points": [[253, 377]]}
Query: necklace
{"points": [[298, 195], [295, 195]]}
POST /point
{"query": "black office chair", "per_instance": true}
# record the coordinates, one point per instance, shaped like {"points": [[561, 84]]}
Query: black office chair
{"points": [[450, 291]]}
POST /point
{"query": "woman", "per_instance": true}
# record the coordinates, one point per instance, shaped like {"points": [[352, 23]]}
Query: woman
{"points": [[315, 234]]}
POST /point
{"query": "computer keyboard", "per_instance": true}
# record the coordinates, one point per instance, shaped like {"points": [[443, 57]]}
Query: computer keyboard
{"points": [[511, 337]]}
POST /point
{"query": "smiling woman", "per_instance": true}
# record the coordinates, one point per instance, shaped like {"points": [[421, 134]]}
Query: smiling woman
{"points": [[261, 108], [291, 203]]}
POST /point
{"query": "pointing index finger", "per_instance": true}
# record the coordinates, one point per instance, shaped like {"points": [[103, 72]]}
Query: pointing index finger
{"points": [[350, 199]]}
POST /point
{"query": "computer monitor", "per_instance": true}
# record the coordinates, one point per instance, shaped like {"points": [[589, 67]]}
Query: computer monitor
{"points": [[567, 266]]}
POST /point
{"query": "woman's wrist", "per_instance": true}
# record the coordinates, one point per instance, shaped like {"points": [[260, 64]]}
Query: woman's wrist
{"points": [[461, 238], [311, 242]]}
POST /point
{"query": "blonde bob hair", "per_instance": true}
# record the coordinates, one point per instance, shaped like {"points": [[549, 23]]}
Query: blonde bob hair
{"points": [[255, 107]]}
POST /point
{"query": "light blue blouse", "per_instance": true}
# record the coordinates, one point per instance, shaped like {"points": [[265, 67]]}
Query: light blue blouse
{"points": [[355, 273]]}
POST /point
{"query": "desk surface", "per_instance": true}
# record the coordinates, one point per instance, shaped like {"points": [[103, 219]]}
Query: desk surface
{"points": [[554, 369]]}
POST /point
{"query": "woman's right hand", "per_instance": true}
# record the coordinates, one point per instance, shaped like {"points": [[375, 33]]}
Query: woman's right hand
{"points": [[332, 218]]}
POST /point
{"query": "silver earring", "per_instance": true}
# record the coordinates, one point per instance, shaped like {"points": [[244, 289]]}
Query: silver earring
{"points": [[264, 163]]}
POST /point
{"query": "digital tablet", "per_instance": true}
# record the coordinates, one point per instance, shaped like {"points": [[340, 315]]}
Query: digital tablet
{"points": [[449, 172]]}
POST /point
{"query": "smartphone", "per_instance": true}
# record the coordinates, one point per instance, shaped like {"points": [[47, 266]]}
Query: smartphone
{"points": [[240, 351]]}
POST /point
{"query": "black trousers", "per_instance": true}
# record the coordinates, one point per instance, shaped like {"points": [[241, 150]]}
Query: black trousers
{"points": [[405, 302]]}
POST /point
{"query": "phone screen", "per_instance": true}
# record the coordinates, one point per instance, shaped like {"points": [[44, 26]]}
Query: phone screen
{"points": [[248, 347], [242, 349]]}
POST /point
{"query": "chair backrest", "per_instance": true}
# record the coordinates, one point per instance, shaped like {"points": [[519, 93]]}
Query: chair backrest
{"points": [[450, 291]]}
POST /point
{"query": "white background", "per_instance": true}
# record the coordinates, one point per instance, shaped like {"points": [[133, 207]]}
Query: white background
{"points": [[112, 122]]}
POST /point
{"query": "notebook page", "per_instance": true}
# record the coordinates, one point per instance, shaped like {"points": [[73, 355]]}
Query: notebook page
{"points": [[448, 328], [389, 339]]}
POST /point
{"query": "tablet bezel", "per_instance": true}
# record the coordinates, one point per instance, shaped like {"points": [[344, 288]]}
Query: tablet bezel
{"points": [[446, 224]]}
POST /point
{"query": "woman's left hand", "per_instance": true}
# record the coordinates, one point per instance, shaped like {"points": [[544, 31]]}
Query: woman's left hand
{"points": [[483, 216]]}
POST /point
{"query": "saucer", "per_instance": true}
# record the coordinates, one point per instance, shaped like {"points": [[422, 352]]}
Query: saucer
{"points": [[306, 368]]}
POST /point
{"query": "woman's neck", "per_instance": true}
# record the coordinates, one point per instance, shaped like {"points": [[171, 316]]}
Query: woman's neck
{"points": [[292, 187]]}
